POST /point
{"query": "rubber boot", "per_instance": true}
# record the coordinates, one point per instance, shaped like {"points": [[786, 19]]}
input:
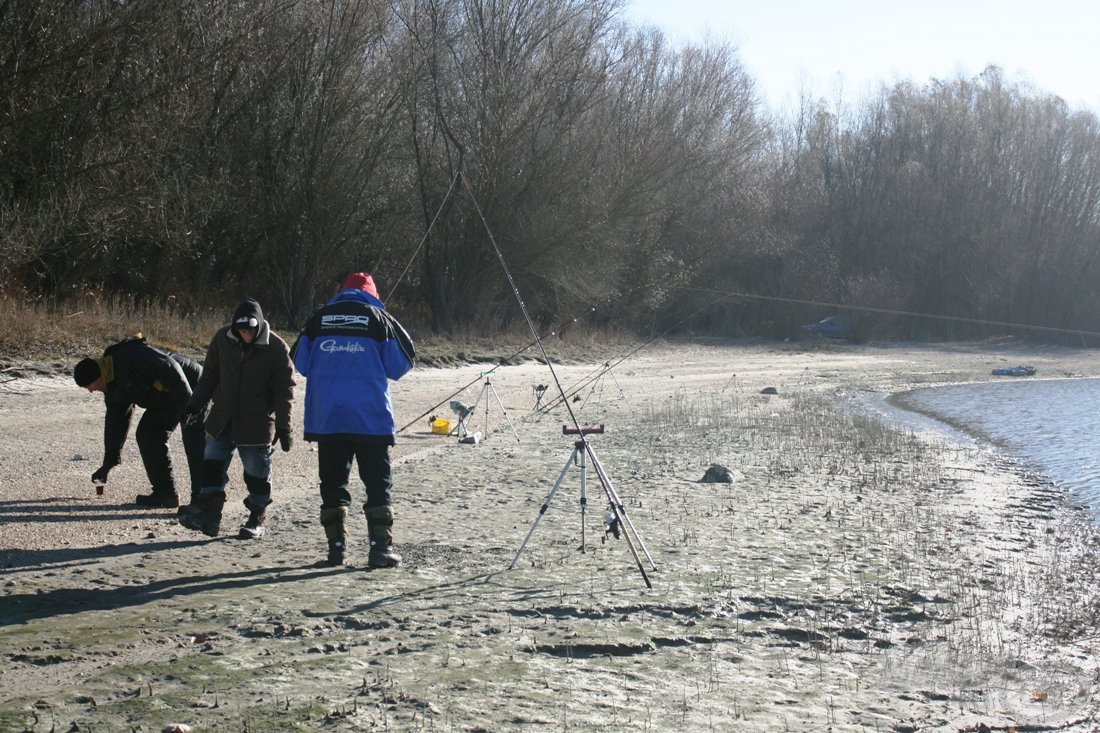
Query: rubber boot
{"points": [[380, 526], [257, 501], [256, 505], [185, 508], [208, 518], [189, 516], [334, 520]]}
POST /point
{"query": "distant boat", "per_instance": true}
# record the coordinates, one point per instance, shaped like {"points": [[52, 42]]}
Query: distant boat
{"points": [[1016, 371], [831, 327]]}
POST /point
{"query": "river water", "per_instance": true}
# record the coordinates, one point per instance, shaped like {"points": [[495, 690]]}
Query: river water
{"points": [[1051, 424]]}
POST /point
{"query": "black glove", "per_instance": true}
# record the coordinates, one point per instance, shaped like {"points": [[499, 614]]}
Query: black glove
{"points": [[100, 476], [191, 415], [282, 437]]}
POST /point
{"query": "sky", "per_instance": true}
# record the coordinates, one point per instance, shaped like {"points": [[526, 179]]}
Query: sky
{"points": [[845, 48]]}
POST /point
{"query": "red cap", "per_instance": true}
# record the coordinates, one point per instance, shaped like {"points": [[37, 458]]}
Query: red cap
{"points": [[360, 281]]}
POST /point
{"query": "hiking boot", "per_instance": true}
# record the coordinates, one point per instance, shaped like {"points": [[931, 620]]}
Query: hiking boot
{"points": [[162, 501], [382, 556], [335, 552], [254, 528]]}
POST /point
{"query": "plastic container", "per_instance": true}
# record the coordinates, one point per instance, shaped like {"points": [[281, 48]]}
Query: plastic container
{"points": [[441, 426], [99, 486]]}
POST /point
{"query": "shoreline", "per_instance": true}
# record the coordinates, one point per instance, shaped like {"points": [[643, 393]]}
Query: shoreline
{"points": [[1038, 406], [853, 576]]}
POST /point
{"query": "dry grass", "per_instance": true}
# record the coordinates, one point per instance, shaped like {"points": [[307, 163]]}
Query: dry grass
{"points": [[55, 333], [51, 334], [516, 345]]}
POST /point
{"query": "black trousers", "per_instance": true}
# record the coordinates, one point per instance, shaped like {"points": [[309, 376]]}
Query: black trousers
{"points": [[334, 459], [153, 431]]}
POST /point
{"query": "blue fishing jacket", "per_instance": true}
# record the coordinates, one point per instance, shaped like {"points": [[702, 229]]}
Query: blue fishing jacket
{"points": [[347, 351]]}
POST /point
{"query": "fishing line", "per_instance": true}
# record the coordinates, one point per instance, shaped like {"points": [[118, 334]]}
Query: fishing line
{"points": [[425, 237], [893, 312], [588, 379]]}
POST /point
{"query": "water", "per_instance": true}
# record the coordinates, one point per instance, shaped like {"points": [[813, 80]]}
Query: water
{"points": [[1052, 424]]}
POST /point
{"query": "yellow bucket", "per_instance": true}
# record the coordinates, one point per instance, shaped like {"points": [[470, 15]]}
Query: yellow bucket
{"points": [[441, 426]]}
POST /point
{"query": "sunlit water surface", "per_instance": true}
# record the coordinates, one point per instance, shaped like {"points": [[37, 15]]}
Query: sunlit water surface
{"points": [[1053, 425]]}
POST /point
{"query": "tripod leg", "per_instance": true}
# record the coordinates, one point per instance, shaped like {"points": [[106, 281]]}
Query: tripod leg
{"points": [[620, 513], [584, 497], [613, 495], [545, 506], [504, 412], [619, 387], [462, 428], [483, 395]]}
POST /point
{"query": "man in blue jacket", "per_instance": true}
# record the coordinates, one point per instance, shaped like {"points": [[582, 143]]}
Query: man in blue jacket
{"points": [[347, 351]]}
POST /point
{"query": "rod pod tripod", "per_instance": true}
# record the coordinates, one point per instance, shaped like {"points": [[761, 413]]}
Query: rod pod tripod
{"points": [[618, 522], [598, 385], [467, 414]]}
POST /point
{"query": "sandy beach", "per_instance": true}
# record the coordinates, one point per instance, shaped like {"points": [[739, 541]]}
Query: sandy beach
{"points": [[856, 575]]}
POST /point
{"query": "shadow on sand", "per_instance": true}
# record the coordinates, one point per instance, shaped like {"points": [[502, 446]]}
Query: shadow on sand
{"points": [[23, 607]]}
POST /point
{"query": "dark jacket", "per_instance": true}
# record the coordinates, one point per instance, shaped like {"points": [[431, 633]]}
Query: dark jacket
{"points": [[251, 385], [142, 375], [347, 351]]}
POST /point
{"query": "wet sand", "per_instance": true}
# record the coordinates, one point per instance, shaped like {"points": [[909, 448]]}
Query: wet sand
{"points": [[853, 576]]}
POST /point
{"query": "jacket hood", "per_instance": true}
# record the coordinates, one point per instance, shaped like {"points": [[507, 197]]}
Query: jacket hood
{"points": [[247, 313], [250, 307]]}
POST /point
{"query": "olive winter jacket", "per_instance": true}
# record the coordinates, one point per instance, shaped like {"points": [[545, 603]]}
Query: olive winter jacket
{"points": [[251, 385]]}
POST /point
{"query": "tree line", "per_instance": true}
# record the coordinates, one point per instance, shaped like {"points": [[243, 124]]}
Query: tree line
{"points": [[209, 147]]}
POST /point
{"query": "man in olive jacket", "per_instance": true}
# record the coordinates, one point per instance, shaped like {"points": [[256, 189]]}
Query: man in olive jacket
{"points": [[249, 379], [131, 373]]}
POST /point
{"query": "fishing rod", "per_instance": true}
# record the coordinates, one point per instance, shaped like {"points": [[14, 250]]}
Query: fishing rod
{"points": [[504, 361], [617, 509], [590, 378], [500, 362]]}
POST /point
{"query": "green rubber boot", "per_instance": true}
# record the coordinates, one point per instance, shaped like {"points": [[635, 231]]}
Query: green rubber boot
{"points": [[380, 526], [334, 520]]}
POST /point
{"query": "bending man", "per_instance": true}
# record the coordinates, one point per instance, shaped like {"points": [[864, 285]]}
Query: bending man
{"points": [[130, 373], [347, 351]]}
